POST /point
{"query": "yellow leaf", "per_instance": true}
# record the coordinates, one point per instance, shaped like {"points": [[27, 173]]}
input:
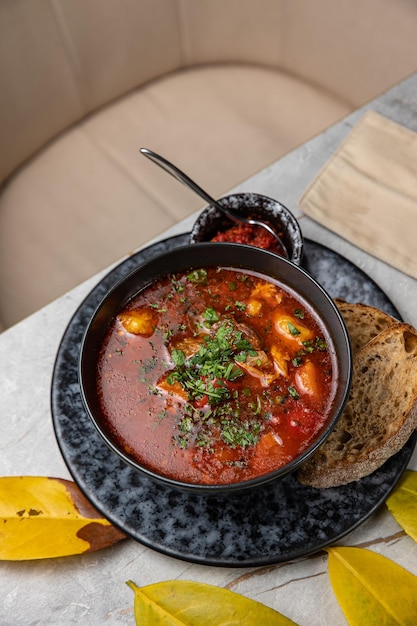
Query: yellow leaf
{"points": [[180, 602], [372, 589], [48, 517], [402, 503]]}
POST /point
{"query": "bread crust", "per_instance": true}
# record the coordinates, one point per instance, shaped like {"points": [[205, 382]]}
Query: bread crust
{"points": [[363, 322], [380, 415]]}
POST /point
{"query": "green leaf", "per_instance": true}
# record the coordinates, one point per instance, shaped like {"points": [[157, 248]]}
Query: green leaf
{"points": [[372, 589], [402, 503], [178, 602]]}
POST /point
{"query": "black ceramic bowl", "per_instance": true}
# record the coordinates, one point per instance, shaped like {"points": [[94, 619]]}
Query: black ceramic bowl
{"points": [[211, 221], [215, 255]]}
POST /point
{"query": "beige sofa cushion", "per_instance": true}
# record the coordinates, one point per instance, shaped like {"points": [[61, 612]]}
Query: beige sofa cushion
{"points": [[90, 197], [63, 59]]}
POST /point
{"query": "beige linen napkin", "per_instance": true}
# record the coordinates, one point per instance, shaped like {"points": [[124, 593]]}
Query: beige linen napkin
{"points": [[367, 192]]}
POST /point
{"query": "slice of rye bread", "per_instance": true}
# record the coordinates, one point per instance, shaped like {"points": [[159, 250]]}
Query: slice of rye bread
{"points": [[363, 322], [380, 415]]}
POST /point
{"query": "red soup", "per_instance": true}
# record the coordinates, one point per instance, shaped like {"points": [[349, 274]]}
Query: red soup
{"points": [[215, 376]]}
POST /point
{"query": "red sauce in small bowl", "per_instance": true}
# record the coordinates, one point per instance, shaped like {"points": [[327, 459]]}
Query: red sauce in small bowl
{"points": [[252, 235]]}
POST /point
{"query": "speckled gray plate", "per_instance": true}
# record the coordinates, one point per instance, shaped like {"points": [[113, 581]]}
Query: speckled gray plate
{"points": [[279, 522]]}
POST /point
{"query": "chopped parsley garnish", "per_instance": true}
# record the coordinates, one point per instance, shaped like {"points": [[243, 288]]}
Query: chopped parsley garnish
{"points": [[206, 375], [293, 392], [178, 357], [310, 345], [320, 344], [208, 370], [157, 306], [154, 390], [177, 285], [210, 316], [198, 276], [168, 334], [240, 433], [293, 329], [149, 364]]}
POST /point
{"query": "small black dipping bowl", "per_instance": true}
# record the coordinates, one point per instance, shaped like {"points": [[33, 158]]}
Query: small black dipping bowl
{"points": [[211, 221], [215, 255]]}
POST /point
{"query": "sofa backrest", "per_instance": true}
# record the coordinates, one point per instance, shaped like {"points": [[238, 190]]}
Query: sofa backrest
{"points": [[62, 59]]}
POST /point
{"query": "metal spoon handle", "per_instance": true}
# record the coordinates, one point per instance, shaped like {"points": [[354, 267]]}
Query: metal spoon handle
{"points": [[179, 175], [188, 182]]}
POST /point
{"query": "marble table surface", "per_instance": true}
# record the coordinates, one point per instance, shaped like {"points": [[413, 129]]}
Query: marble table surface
{"points": [[90, 588]]}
